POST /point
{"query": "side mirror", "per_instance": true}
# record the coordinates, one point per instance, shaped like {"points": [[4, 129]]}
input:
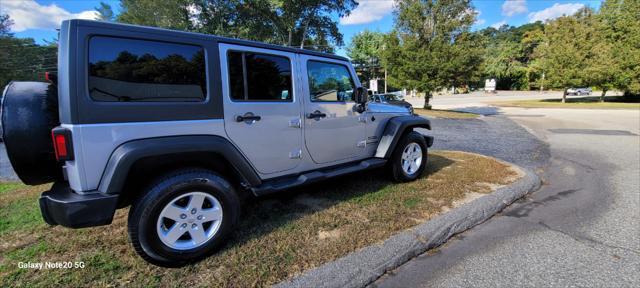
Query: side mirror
{"points": [[361, 95]]}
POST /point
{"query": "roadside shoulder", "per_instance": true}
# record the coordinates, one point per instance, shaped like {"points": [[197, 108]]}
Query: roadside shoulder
{"points": [[366, 265]]}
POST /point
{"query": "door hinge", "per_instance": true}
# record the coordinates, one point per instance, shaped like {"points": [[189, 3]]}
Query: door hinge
{"points": [[295, 154]]}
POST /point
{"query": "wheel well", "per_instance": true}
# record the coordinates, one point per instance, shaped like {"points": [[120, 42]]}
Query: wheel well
{"points": [[147, 170]]}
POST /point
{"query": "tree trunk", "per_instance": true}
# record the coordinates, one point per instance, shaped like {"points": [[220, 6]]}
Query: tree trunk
{"points": [[304, 33], [427, 97], [604, 92], [290, 38], [564, 96]]}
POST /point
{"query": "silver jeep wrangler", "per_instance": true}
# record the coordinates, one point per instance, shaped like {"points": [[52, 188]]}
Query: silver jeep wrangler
{"points": [[181, 126]]}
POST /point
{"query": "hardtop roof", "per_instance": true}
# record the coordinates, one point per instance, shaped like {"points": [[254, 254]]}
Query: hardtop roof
{"points": [[147, 29]]}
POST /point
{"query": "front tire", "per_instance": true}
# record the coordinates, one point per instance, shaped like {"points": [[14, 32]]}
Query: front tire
{"points": [[409, 158], [184, 217]]}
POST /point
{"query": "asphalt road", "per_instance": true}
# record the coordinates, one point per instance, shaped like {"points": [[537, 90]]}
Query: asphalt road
{"points": [[6, 172], [582, 228]]}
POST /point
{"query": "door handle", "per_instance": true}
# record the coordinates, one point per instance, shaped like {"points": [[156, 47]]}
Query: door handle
{"points": [[247, 117], [316, 115]]}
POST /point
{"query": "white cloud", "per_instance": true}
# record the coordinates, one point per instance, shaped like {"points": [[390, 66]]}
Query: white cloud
{"points": [[498, 24], [479, 21], [514, 7], [28, 14], [368, 11], [555, 11]]}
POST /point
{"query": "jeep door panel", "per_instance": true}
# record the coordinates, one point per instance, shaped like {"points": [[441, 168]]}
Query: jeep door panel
{"points": [[334, 130], [272, 142]]}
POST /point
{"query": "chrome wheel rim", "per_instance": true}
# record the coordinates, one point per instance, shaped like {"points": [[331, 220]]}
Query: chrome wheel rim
{"points": [[411, 158], [189, 220]]}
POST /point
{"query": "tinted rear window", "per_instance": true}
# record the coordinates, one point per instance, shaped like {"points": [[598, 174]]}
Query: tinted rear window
{"points": [[128, 70], [259, 77]]}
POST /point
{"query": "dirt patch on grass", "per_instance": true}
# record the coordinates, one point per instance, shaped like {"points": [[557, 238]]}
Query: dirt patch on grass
{"points": [[278, 237], [449, 114]]}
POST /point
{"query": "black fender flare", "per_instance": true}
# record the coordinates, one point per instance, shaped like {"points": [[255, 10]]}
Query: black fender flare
{"points": [[124, 156], [395, 128]]}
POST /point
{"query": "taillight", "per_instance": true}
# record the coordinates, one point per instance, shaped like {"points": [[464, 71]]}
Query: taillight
{"points": [[62, 144]]}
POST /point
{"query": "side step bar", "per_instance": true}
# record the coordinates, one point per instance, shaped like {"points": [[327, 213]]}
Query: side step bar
{"points": [[273, 186]]}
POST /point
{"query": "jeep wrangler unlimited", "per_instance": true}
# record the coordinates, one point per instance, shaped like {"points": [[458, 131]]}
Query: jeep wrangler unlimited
{"points": [[181, 125]]}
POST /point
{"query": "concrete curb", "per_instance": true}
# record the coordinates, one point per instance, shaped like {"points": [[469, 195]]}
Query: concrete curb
{"points": [[366, 265]]}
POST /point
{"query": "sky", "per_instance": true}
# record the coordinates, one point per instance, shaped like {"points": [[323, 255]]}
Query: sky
{"points": [[38, 19]]}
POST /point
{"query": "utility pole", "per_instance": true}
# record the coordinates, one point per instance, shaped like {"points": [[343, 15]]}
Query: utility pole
{"points": [[385, 80], [542, 84]]}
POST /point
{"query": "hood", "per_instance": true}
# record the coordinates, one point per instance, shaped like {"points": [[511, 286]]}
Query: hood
{"points": [[376, 107]]}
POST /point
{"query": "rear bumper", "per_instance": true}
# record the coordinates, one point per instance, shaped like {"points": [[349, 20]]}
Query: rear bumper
{"points": [[62, 206]]}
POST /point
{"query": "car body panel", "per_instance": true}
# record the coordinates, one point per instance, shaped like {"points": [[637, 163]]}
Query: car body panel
{"points": [[255, 138], [284, 142]]}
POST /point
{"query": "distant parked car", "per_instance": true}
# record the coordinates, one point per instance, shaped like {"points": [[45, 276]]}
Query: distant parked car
{"points": [[392, 99], [579, 91]]}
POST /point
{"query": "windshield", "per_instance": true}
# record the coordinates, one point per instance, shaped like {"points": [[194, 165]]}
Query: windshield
{"points": [[392, 97]]}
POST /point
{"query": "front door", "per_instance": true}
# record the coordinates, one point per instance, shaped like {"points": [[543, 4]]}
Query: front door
{"points": [[334, 130], [262, 112]]}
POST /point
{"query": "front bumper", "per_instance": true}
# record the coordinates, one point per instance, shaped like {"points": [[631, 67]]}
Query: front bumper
{"points": [[62, 206]]}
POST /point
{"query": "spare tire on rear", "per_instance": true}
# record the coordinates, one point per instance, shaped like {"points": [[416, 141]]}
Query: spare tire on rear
{"points": [[28, 112]]}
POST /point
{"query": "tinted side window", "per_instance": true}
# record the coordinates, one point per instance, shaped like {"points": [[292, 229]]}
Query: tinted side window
{"points": [[129, 70], [329, 82], [259, 77]]}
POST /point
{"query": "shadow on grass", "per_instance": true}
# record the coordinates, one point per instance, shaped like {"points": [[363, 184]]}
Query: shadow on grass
{"points": [[595, 99], [263, 215]]}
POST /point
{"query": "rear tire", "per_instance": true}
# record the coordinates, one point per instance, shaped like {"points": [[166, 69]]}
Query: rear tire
{"points": [[184, 217], [409, 158]]}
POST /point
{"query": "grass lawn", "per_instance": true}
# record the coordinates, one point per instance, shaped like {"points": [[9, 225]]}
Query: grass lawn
{"points": [[445, 114], [611, 102], [8, 186], [278, 237]]}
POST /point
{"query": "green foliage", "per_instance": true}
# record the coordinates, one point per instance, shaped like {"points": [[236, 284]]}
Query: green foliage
{"points": [[563, 55], [431, 47], [365, 51], [105, 13], [173, 14], [620, 27], [306, 24], [21, 58], [507, 54], [5, 25]]}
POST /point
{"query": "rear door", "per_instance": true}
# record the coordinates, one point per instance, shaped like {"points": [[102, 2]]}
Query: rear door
{"points": [[261, 107], [334, 130]]}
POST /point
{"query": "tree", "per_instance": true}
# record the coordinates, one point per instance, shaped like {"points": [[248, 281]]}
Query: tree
{"points": [[306, 24], [427, 51], [301, 23], [105, 13], [508, 52], [172, 14], [601, 68], [21, 58], [5, 25], [364, 50], [563, 56], [620, 20]]}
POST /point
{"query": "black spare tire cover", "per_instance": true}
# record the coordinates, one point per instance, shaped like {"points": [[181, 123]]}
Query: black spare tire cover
{"points": [[28, 112]]}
